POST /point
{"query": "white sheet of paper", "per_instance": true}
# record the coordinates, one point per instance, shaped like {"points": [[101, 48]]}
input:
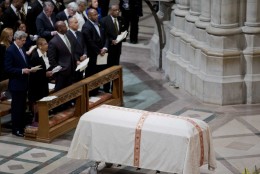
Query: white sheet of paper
{"points": [[31, 49], [102, 60], [121, 36], [51, 86], [56, 69], [36, 68], [83, 65], [48, 98]]}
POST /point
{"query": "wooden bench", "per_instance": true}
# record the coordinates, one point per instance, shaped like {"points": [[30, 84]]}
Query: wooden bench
{"points": [[50, 127], [5, 106]]}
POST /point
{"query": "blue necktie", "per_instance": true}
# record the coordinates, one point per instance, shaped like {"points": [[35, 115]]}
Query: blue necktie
{"points": [[21, 51]]}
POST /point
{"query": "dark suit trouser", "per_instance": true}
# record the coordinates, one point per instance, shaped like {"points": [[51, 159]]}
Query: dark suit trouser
{"points": [[18, 108], [92, 69], [62, 81], [113, 59], [131, 19]]}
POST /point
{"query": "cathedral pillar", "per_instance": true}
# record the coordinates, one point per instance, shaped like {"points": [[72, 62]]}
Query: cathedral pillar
{"points": [[251, 51]]}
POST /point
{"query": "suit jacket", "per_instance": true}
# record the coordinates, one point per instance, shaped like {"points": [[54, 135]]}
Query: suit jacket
{"points": [[9, 18], [61, 16], [58, 8], [36, 9], [14, 63], [78, 44], [38, 82], [108, 24], [94, 43], [59, 54], [135, 6], [44, 26]]}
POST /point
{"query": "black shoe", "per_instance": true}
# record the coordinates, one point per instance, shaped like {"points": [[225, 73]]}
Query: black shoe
{"points": [[18, 133], [133, 42]]}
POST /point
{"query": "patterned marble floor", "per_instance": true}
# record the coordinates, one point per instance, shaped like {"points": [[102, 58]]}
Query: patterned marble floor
{"points": [[235, 128]]}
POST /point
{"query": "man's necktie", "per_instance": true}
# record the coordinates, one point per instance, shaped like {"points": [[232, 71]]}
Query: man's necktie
{"points": [[21, 51], [51, 21], [58, 5], [67, 43], [116, 26], [18, 14], [22, 13]]}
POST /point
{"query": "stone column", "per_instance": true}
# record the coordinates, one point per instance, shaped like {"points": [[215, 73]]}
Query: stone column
{"points": [[204, 20], [251, 52], [221, 59]]}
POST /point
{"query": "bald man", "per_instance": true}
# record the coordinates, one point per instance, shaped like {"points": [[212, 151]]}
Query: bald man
{"points": [[60, 53], [96, 43], [80, 52]]}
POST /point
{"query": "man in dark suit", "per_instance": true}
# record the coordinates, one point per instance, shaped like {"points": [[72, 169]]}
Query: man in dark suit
{"points": [[113, 25], [60, 53], [45, 22], [16, 65], [70, 11], [58, 5], [131, 11], [94, 38], [32, 13], [12, 14], [78, 45]]}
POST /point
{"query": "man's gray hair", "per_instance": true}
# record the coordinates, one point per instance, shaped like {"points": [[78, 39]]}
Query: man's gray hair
{"points": [[20, 35], [47, 4], [73, 5], [81, 1]]}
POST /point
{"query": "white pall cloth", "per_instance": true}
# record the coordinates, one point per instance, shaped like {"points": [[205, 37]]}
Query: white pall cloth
{"points": [[143, 139]]}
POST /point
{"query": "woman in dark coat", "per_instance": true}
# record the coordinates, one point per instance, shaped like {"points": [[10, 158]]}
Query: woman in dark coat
{"points": [[38, 81], [5, 41]]}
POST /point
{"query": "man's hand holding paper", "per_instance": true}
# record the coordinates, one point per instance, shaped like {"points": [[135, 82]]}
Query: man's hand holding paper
{"points": [[83, 65]]}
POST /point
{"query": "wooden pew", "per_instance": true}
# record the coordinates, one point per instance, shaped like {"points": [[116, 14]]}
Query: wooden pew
{"points": [[5, 106], [113, 74], [51, 127]]}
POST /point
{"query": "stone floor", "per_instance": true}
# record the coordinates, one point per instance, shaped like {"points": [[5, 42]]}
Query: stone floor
{"points": [[235, 128]]}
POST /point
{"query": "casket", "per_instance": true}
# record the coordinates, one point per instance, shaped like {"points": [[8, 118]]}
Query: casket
{"points": [[143, 139]]}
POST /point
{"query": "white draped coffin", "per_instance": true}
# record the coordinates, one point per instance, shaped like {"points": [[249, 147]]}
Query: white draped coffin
{"points": [[143, 139]]}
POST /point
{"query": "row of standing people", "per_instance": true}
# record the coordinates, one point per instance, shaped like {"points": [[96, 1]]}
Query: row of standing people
{"points": [[66, 48]]}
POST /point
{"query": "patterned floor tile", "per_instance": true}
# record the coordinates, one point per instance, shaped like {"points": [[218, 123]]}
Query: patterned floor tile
{"points": [[254, 120], [197, 114], [243, 163], [232, 128], [240, 146], [14, 166], [235, 147], [9, 149], [39, 155]]}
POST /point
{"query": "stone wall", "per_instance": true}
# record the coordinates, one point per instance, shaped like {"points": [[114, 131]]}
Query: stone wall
{"points": [[212, 49]]}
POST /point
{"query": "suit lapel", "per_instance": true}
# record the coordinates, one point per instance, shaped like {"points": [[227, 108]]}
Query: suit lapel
{"points": [[47, 20], [59, 40], [93, 27], [20, 55]]}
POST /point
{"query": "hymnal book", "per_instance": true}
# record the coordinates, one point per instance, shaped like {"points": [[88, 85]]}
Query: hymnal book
{"points": [[102, 60]]}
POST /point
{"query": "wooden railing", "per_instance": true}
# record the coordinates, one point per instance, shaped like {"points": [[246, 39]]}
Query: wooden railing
{"points": [[51, 126]]}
